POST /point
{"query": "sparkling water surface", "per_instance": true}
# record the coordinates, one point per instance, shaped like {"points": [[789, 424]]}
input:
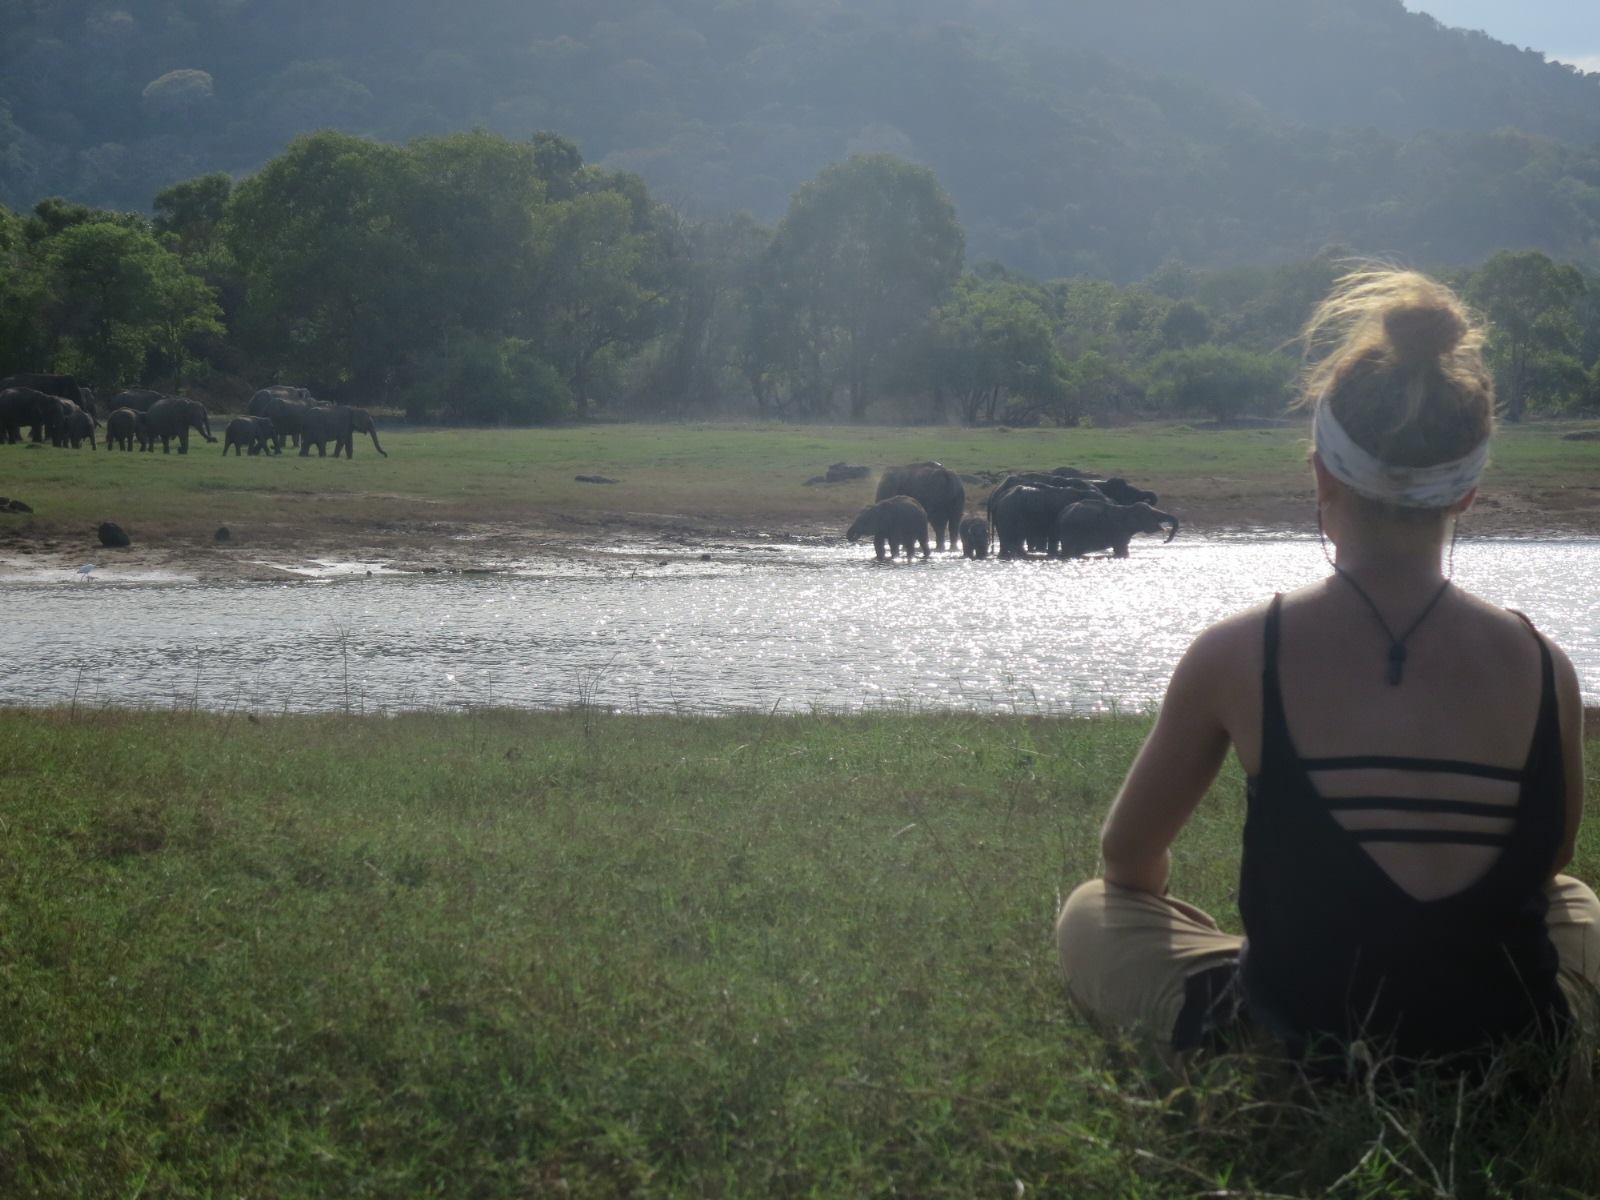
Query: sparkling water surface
{"points": [[654, 629]]}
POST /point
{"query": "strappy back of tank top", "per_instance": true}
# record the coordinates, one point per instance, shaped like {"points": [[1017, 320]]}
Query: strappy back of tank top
{"points": [[1337, 947], [1524, 821]]}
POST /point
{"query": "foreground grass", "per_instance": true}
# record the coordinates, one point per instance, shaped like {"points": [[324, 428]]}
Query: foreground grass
{"points": [[747, 473], [536, 954]]}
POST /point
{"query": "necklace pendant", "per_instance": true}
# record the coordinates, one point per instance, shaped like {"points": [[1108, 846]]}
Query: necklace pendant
{"points": [[1397, 664]]}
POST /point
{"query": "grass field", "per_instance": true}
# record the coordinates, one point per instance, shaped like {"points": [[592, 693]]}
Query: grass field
{"points": [[744, 473], [577, 954]]}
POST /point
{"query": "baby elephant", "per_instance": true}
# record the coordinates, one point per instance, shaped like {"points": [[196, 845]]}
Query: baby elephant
{"points": [[122, 427], [896, 522], [254, 433], [975, 537]]}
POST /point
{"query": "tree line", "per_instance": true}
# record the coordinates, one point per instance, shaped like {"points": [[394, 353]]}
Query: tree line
{"points": [[473, 278]]}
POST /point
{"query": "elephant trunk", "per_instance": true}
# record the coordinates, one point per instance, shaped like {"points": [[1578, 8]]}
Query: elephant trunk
{"points": [[374, 432], [1167, 518]]}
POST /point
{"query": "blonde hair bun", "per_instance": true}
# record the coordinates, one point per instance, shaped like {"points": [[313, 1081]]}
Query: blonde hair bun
{"points": [[1422, 333], [1400, 359]]}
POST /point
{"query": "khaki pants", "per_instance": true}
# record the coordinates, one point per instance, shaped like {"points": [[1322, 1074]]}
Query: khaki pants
{"points": [[1126, 954]]}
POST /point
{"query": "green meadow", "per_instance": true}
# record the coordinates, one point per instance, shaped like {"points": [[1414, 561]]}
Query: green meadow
{"points": [[750, 473], [500, 954]]}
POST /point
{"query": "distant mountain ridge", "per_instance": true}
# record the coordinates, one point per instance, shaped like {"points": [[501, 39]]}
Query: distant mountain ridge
{"points": [[1334, 64], [1094, 137]]}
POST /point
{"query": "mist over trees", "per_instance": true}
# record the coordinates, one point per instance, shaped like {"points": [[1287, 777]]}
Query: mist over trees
{"points": [[1101, 137], [475, 278]]}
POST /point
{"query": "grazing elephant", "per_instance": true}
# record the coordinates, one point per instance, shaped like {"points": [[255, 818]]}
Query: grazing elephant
{"points": [[173, 417], [336, 423], [1101, 525], [1023, 514], [934, 486], [975, 537], [64, 386], [122, 427], [27, 407], [138, 399], [253, 434], [285, 407], [361, 422], [76, 427], [898, 522]]}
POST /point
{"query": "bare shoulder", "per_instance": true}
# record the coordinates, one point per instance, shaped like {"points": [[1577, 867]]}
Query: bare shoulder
{"points": [[1512, 628], [1231, 646], [1500, 638], [1567, 684]]}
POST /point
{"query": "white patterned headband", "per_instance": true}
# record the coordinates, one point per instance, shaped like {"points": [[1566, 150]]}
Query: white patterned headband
{"points": [[1407, 487]]}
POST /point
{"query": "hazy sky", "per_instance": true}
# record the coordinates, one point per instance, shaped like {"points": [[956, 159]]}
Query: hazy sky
{"points": [[1564, 29]]}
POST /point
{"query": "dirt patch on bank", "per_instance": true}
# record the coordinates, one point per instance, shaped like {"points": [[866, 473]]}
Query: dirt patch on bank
{"points": [[416, 537]]}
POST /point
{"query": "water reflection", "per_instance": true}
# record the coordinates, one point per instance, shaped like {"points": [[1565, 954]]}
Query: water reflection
{"points": [[659, 630]]}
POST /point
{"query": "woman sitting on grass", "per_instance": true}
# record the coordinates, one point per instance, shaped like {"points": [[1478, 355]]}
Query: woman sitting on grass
{"points": [[1414, 754]]}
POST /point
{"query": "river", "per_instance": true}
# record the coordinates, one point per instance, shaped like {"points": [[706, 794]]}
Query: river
{"points": [[652, 629]]}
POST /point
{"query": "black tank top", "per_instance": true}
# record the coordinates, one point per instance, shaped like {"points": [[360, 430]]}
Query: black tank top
{"points": [[1336, 949]]}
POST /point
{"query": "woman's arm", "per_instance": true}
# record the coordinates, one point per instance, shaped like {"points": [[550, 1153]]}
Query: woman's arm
{"points": [[1175, 767], [1570, 698]]}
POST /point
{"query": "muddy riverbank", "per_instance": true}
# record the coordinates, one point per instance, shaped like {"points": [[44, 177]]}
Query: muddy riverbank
{"points": [[480, 500]]}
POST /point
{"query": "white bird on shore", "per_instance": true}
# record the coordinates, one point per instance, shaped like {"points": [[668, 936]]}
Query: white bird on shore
{"points": [[85, 570]]}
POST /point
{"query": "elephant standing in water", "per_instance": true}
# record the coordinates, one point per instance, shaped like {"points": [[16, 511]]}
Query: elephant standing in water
{"points": [[173, 417], [339, 424], [123, 426], [975, 537], [898, 522], [936, 488], [1091, 525], [1024, 515]]}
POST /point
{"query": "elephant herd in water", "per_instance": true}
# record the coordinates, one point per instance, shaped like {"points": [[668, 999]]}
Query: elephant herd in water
{"points": [[59, 410], [1063, 513]]}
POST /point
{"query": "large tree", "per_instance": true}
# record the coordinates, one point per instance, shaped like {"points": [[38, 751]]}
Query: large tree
{"points": [[865, 252], [338, 291], [1219, 380], [1533, 334], [115, 306], [990, 346], [608, 271]]}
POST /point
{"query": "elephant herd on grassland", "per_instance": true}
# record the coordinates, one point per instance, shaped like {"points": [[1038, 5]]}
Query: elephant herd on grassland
{"points": [[1063, 513], [59, 410]]}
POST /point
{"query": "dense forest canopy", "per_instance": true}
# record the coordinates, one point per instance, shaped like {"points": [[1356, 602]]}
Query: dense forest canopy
{"points": [[476, 278], [1101, 137]]}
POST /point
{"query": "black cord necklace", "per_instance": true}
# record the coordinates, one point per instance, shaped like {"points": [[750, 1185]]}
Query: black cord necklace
{"points": [[1397, 645]]}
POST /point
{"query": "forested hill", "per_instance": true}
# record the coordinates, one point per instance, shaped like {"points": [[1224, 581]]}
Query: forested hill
{"points": [[1331, 63], [1098, 137]]}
